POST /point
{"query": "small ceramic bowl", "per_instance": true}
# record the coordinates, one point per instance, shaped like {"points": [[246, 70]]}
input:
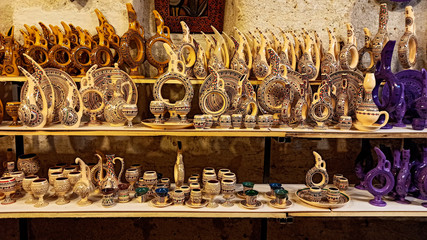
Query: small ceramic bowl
{"points": [[237, 120], [250, 121], [199, 122], [209, 120], [225, 121]]}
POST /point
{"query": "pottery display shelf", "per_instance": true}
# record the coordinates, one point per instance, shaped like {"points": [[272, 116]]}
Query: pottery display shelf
{"points": [[140, 130], [139, 80], [358, 207]]}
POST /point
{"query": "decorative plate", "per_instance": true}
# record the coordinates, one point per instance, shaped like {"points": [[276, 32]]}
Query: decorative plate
{"points": [[231, 79], [303, 194]]}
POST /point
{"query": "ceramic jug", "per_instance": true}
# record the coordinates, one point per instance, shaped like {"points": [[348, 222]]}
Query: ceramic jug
{"points": [[111, 180], [179, 172], [84, 186]]}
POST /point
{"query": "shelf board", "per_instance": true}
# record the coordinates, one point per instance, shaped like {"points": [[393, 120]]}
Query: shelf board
{"points": [[138, 80], [140, 130], [357, 207]]}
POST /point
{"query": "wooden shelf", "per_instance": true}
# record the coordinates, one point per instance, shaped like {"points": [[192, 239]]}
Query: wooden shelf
{"points": [[138, 80], [140, 130], [357, 207]]}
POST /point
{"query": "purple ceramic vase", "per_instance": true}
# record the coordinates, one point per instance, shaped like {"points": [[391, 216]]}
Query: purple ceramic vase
{"points": [[364, 161], [382, 170], [403, 179], [421, 102], [420, 176]]}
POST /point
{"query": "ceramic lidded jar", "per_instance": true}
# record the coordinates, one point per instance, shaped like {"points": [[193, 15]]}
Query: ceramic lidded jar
{"points": [[367, 112]]}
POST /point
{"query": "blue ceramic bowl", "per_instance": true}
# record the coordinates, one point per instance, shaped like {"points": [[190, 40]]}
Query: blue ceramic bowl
{"points": [[162, 192], [275, 186]]}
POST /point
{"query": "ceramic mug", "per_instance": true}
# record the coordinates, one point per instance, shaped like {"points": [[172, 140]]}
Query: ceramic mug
{"points": [[178, 197], [345, 123], [315, 194], [186, 190], [237, 120], [250, 121], [225, 121], [342, 184], [196, 196], [199, 122], [418, 124], [336, 177]]}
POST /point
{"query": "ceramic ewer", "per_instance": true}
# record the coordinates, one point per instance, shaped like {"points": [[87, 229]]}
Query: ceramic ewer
{"points": [[186, 50], [367, 112], [381, 170], [29, 112], [319, 168], [260, 66], [403, 178], [60, 53], [382, 36], [38, 50], [421, 102], [11, 59], [162, 35], [393, 93], [321, 109], [135, 34], [271, 93], [200, 68], [218, 58], [217, 89], [301, 107], [328, 61], [92, 97], [113, 109], [179, 173], [80, 54], [111, 180], [101, 54], [112, 38], [96, 175], [341, 105], [349, 56], [287, 52], [84, 186], [68, 115], [48, 35], [366, 49], [407, 50], [173, 73], [420, 177], [238, 61], [306, 64]]}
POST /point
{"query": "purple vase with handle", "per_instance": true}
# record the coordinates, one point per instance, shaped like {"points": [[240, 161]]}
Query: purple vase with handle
{"points": [[403, 179], [363, 163], [420, 176], [382, 170], [421, 102]]}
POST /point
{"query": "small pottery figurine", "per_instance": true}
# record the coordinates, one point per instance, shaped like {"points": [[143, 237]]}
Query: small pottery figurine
{"points": [[328, 62], [39, 187], [403, 178], [381, 38], [367, 48], [84, 186], [260, 65], [135, 34], [381, 170], [26, 185], [8, 187], [113, 111], [179, 172], [408, 42], [29, 164], [319, 168], [162, 35], [367, 113], [349, 51]]}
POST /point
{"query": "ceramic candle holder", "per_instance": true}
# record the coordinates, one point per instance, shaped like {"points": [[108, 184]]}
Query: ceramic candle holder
{"points": [[250, 121], [166, 182], [209, 120], [225, 121], [212, 188], [199, 122], [237, 120], [193, 180]]}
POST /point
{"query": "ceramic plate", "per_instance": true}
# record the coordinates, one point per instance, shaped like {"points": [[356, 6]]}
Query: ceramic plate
{"points": [[272, 203], [243, 204], [155, 203], [324, 203], [373, 127], [166, 125], [191, 205]]}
